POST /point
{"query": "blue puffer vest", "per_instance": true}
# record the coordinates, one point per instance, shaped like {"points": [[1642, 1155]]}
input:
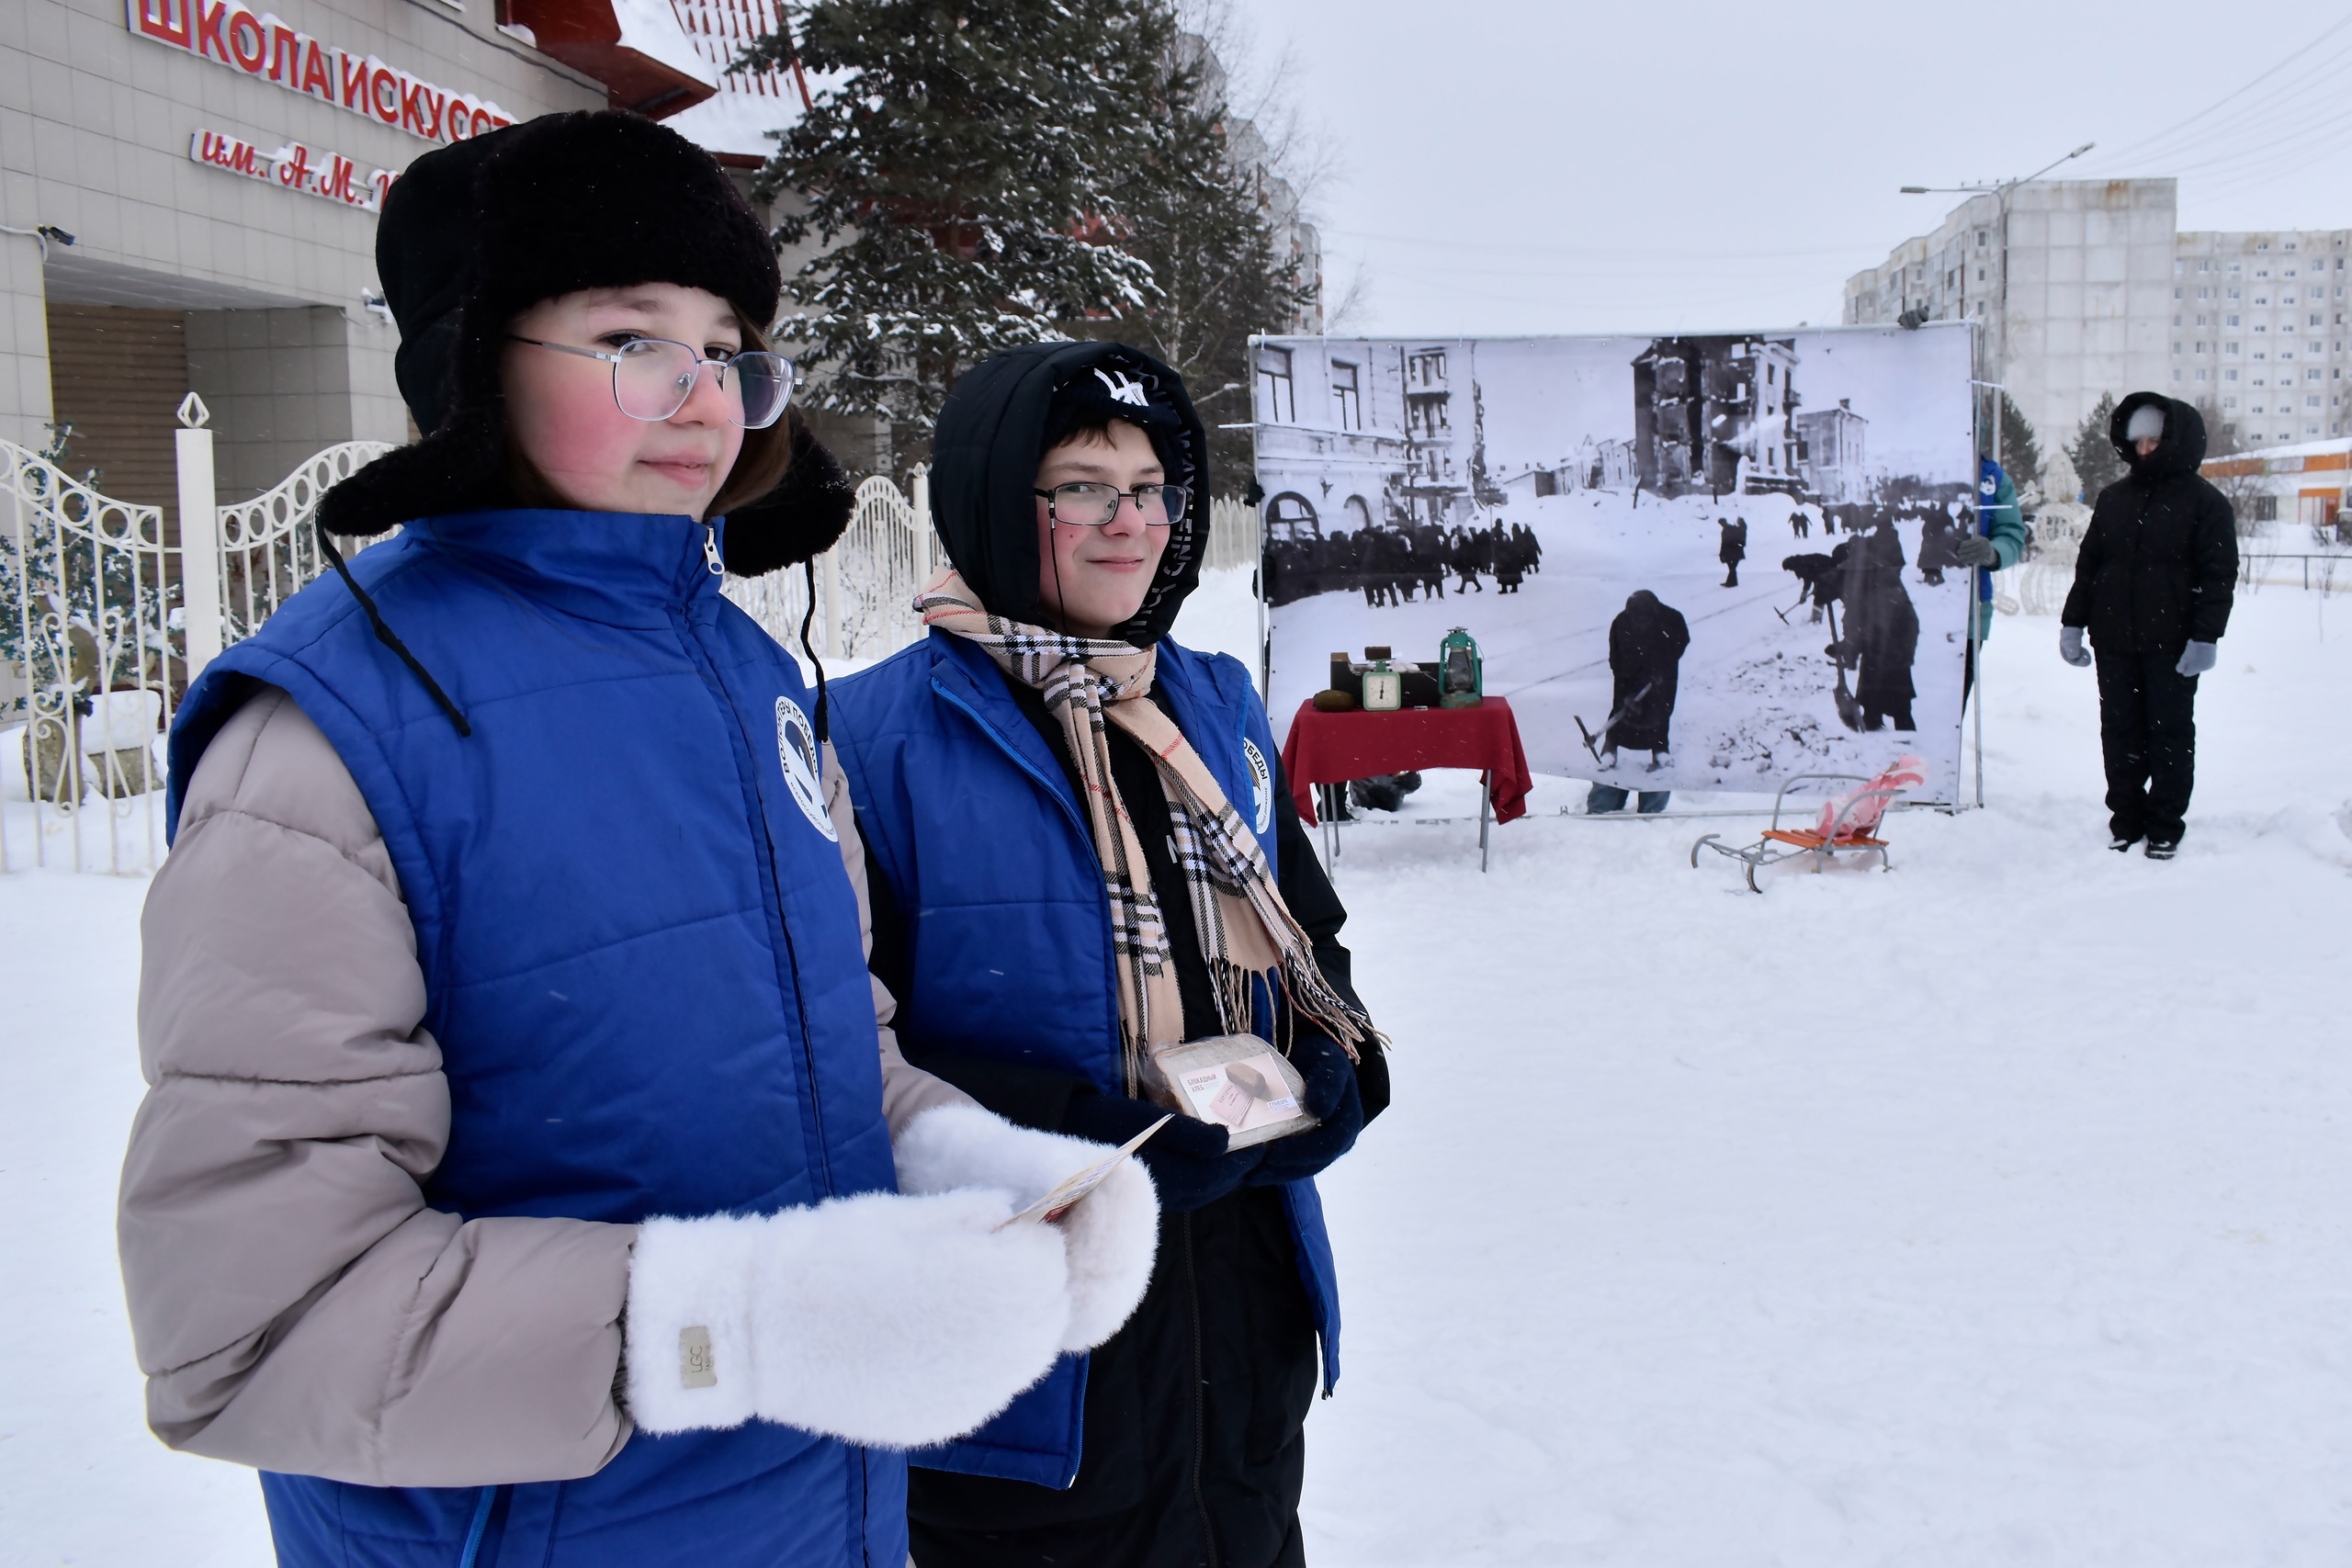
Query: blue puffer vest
{"points": [[642, 964], [970, 820]]}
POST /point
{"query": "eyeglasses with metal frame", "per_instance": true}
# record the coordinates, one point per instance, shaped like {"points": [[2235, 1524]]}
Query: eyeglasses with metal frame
{"points": [[653, 376]]}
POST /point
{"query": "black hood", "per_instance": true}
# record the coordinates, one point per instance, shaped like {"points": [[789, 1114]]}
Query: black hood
{"points": [[2179, 451], [984, 473]]}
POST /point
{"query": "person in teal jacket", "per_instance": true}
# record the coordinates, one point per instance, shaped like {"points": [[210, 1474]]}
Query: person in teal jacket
{"points": [[1998, 545]]}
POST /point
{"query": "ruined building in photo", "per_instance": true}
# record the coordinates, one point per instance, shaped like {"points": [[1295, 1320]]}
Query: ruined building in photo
{"points": [[1716, 414]]}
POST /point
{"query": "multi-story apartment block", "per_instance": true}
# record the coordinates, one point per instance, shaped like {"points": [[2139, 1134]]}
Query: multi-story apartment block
{"points": [[2087, 288], [2258, 334], [2069, 281]]}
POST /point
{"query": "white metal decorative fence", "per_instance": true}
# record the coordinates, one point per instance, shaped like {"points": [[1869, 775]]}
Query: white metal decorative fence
{"points": [[1233, 533], [268, 548], [103, 624], [865, 584], [94, 651]]}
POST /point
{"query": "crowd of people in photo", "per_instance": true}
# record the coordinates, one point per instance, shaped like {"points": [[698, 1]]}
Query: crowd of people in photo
{"points": [[1397, 565]]}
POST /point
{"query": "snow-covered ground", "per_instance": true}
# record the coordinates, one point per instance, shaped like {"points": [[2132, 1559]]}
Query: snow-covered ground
{"points": [[1993, 1211]]}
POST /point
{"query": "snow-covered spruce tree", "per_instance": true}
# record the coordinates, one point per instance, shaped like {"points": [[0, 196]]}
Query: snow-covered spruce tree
{"points": [[2020, 452], [2093, 452], [1196, 218], [961, 170]]}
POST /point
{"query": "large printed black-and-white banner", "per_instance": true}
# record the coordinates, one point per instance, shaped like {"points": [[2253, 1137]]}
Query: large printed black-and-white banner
{"points": [[1698, 563]]}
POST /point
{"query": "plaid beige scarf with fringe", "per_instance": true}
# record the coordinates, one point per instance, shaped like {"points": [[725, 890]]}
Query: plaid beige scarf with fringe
{"points": [[1246, 931]]}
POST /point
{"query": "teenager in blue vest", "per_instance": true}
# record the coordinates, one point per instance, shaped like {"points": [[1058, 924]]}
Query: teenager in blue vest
{"points": [[1078, 849], [517, 1183]]}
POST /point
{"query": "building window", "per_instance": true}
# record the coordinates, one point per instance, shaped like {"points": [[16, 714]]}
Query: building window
{"points": [[2229, 348], [1347, 392], [2175, 375], [2176, 347], [2203, 374], [2201, 346], [1290, 517], [1276, 402], [2230, 375], [2315, 320], [2228, 402]]}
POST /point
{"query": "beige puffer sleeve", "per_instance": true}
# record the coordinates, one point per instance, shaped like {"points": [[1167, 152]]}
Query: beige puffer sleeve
{"points": [[907, 1091], [295, 1304]]}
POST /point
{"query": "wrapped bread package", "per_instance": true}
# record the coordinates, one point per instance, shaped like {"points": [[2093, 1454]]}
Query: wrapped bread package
{"points": [[1235, 1082]]}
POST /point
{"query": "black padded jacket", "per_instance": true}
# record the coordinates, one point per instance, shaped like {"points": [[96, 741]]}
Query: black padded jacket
{"points": [[2159, 563]]}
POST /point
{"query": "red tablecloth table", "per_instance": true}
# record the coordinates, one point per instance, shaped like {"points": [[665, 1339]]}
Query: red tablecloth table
{"points": [[1330, 748]]}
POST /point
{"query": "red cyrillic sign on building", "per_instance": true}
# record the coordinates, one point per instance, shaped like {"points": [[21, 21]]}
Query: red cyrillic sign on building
{"points": [[328, 176], [227, 33]]}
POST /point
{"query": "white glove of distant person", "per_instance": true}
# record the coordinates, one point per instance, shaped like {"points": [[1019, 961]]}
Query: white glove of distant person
{"points": [[2071, 648], [1112, 1237], [1974, 550], [879, 1319], [2197, 657]]}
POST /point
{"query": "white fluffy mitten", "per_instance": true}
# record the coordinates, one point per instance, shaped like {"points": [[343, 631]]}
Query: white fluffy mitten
{"points": [[1111, 1235], [884, 1320]]}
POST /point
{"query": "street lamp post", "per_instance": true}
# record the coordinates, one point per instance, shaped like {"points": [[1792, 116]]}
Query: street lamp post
{"points": [[2001, 193], [1997, 386]]}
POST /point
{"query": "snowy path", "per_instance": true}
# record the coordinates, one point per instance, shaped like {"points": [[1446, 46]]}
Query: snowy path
{"points": [[1991, 1211]]}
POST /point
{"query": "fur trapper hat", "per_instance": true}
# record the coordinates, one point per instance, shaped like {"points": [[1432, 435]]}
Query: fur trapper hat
{"points": [[473, 233]]}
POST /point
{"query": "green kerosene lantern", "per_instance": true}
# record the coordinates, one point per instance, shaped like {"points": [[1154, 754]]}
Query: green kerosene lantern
{"points": [[1461, 673]]}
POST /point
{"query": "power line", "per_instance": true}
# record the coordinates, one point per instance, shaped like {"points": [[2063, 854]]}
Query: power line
{"points": [[2147, 145]]}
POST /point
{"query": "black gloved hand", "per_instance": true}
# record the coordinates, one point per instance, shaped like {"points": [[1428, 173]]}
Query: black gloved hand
{"points": [[1188, 1160], [1332, 1098]]}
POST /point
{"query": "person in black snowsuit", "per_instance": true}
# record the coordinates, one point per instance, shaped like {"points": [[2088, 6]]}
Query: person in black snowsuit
{"points": [[1882, 630], [1734, 549], [2154, 580]]}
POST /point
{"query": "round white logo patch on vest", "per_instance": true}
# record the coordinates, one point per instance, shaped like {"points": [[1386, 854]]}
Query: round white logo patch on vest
{"points": [[795, 747], [1262, 786]]}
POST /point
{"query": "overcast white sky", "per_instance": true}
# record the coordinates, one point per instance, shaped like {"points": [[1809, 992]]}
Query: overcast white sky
{"points": [[1639, 165]]}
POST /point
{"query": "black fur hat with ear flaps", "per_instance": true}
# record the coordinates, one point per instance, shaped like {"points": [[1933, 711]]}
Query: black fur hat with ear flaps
{"points": [[473, 233]]}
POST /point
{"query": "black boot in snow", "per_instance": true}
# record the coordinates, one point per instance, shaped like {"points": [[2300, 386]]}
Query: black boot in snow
{"points": [[2162, 849]]}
